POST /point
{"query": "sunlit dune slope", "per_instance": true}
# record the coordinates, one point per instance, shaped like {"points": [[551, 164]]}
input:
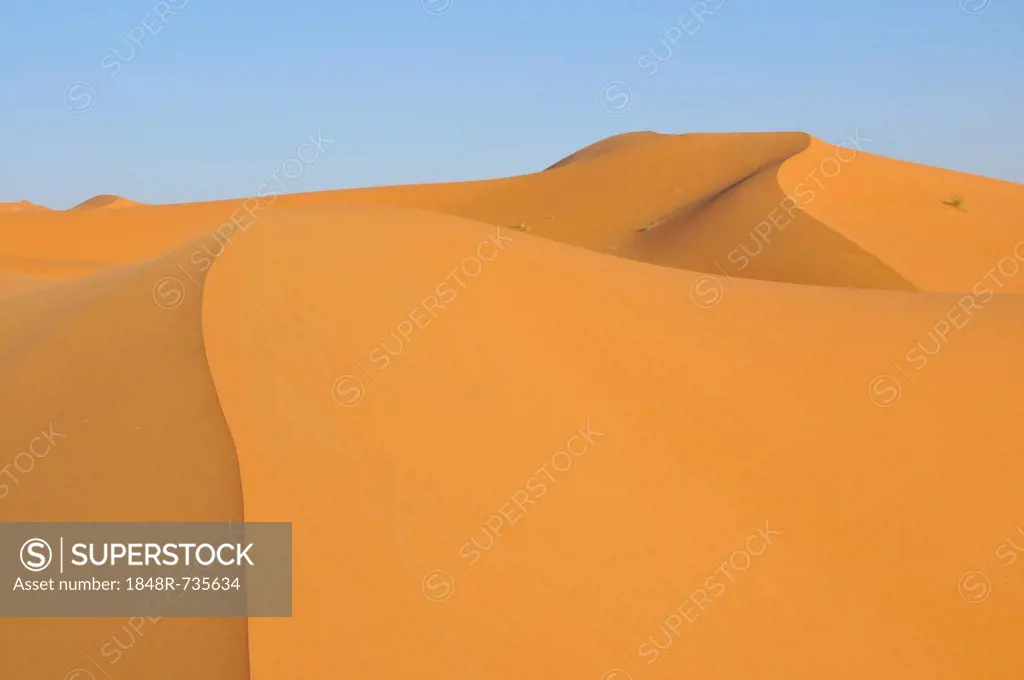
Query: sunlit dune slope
{"points": [[438, 533], [105, 201], [121, 389]]}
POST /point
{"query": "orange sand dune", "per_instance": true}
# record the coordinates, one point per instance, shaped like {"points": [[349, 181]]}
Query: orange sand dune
{"points": [[105, 201], [770, 206], [21, 206], [733, 470], [123, 387], [707, 426], [66, 244], [602, 201], [527, 452]]}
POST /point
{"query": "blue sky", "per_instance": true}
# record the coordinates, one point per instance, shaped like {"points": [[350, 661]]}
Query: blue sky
{"points": [[217, 94]]}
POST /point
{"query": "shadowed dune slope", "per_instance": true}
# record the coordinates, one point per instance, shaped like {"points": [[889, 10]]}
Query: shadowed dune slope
{"points": [[431, 471], [124, 388], [731, 233]]}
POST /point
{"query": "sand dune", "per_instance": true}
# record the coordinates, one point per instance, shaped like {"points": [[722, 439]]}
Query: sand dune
{"points": [[768, 206], [21, 206], [713, 422], [125, 390], [67, 244], [105, 201], [781, 450]]}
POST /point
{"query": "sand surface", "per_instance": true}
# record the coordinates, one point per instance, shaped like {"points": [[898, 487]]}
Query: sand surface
{"points": [[573, 424]]}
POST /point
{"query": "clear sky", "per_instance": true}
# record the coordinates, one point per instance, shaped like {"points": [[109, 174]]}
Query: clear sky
{"points": [[209, 100]]}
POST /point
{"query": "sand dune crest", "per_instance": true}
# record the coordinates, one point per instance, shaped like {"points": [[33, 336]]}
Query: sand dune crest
{"points": [[105, 201], [20, 206]]}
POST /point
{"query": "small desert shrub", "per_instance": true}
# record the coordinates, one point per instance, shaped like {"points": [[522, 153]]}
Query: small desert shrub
{"points": [[955, 202]]}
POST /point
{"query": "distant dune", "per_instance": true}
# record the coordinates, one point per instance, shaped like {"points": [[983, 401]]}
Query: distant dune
{"points": [[524, 426], [105, 201], [21, 206]]}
